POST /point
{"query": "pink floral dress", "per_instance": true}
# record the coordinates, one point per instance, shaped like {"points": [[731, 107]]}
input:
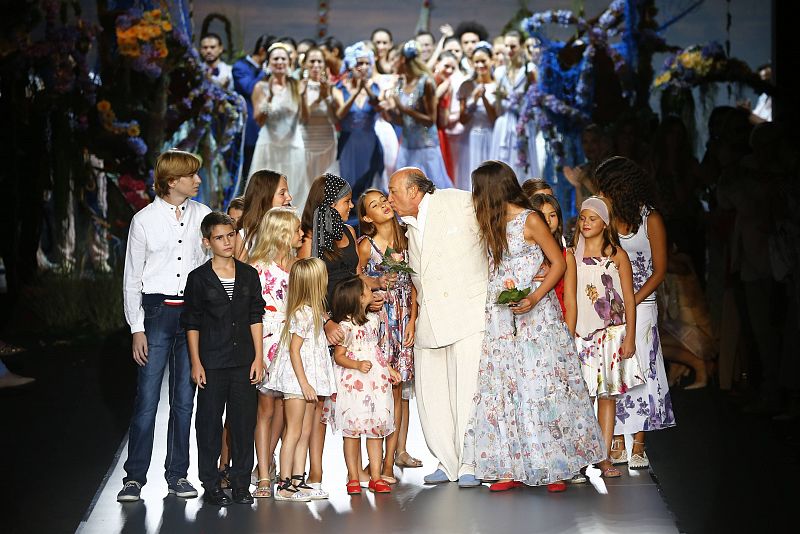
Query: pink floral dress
{"points": [[600, 330], [364, 403], [274, 287]]}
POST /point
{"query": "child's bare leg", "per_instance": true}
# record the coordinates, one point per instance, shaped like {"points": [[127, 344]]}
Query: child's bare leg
{"points": [[294, 413], [266, 407], [301, 451], [352, 457], [374, 452], [391, 439], [316, 446]]}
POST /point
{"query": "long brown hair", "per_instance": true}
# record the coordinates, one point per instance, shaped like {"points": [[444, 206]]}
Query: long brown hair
{"points": [[257, 201], [316, 196], [346, 302], [494, 185], [367, 228]]}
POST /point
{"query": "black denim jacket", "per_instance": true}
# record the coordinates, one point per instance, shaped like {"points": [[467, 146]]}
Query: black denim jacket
{"points": [[223, 323]]}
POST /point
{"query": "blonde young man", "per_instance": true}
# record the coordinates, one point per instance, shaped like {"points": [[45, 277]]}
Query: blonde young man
{"points": [[451, 267], [164, 245]]}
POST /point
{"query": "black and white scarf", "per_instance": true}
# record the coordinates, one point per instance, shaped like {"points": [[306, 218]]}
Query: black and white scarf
{"points": [[328, 225]]}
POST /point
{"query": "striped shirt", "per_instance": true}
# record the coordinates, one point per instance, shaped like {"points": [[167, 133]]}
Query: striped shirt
{"points": [[228, 284]]}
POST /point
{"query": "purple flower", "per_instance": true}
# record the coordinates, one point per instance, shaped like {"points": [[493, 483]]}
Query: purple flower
{"points": [[137, 145]]}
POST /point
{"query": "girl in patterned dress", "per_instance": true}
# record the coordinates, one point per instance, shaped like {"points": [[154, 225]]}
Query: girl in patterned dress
{"points": [[279, 237], [643, 236], [364, 404], [532, 421], [302, 371], [380, 231], [600, 309]]}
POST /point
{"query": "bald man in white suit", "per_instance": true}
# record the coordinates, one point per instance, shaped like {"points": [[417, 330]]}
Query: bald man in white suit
{"points": [[451, 266]]}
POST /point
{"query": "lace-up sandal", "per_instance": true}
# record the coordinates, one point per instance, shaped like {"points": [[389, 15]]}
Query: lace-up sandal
{"points": [[313, 493], [639, 461], [296, 494], [618, 446]]}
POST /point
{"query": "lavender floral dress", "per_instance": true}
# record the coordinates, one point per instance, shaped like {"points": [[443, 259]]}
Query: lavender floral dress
{"points": [[648, 407], [600, 330], [532, 420], [364, 403]]}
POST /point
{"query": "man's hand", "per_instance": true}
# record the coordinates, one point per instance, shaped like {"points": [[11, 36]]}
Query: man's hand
{"points": [[199, 376], [140, 348], [377, 301], [334, 333]]}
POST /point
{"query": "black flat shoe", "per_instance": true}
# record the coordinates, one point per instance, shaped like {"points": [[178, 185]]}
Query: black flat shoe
{"points": [[217, 497], [242, 496]]}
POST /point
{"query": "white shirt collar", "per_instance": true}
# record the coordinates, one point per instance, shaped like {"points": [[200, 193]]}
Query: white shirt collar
{"points": [[418, 222], [171, 207], [252, 62]]}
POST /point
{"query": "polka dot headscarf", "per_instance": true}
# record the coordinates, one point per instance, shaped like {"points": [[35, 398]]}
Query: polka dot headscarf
{"points": [[328, 225]]}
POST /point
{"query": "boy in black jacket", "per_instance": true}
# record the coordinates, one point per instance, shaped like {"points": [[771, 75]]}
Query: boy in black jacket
{"points": [[222, 318]]}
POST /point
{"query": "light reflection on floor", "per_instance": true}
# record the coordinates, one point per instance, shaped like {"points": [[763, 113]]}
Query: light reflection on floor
{"points": [[629, 502]]}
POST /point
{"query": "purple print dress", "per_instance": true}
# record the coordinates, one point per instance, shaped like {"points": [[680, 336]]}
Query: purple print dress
{"points": [[648, 407], [531, 419], [600, 330]]}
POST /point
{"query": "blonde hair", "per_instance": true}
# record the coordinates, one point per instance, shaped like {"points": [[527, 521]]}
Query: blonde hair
{"points": [[275, 232], [308, 285], [172, 165]]}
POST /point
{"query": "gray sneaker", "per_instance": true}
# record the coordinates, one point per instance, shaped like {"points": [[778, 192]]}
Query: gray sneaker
{"points": [[182, 488], [130, 492]]}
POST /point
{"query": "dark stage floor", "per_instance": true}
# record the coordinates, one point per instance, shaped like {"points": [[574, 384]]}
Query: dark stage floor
{"points": [[61, 435]]}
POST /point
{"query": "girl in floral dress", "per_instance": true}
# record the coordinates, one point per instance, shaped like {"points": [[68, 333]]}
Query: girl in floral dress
{"points": [[532, 421], [279, 237], [600, 309], [380, 231], [303, 372], [364, 405], [644, 238]]}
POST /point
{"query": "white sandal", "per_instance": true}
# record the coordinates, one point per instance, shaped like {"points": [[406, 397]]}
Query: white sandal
{"points": [[615, 447], [639, 461]]}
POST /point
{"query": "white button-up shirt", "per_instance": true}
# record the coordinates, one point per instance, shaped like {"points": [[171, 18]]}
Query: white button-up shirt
{"points": [[418, 222], [162, 250]]}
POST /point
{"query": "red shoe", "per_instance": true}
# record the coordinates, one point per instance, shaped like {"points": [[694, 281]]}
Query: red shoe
{"points": [[379, 486], [505, 486], [353, 487], [557, 487]]}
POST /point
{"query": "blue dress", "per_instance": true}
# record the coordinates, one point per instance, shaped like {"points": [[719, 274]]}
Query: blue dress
{"points": [[419, 144], [360, 154], [532, 420]]}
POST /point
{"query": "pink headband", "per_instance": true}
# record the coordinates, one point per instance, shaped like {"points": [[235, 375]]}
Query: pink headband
{"points": [[596, 205]]}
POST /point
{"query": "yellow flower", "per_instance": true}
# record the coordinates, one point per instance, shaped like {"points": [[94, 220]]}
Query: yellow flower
{"points": [[166, 26], [133, 130], [103, 106], [663, 79], [591, 292], [155, 13]]}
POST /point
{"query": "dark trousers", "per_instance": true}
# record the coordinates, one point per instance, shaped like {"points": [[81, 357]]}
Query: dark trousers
{"points": [[166, 344], [229, 388]]}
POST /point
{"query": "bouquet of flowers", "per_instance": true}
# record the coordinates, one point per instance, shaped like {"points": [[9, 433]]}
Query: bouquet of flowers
{"points": [[395, 262], [511, 295]]}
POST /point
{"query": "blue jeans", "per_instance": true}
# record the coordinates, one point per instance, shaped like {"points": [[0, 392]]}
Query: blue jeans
{"points": [[166, 343]]}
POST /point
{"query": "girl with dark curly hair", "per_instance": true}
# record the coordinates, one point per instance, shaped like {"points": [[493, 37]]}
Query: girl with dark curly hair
{"points": [[643, 236]]}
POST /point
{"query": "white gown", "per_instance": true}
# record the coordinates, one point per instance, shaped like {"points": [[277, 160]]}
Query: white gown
{"points": [[319, 137], [280, 143], [504, 139], [478, 131]]}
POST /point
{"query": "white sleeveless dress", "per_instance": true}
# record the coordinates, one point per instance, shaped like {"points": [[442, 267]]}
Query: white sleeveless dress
{"points": [[280, 143], [647, 407], [478, 131]]}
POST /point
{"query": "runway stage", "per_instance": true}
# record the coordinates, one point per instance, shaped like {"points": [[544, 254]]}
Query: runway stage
{"points": [[631, 503]]}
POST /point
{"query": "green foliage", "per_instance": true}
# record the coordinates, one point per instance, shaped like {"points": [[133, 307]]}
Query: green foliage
{"points": [[67, 303], [508, 296]]}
